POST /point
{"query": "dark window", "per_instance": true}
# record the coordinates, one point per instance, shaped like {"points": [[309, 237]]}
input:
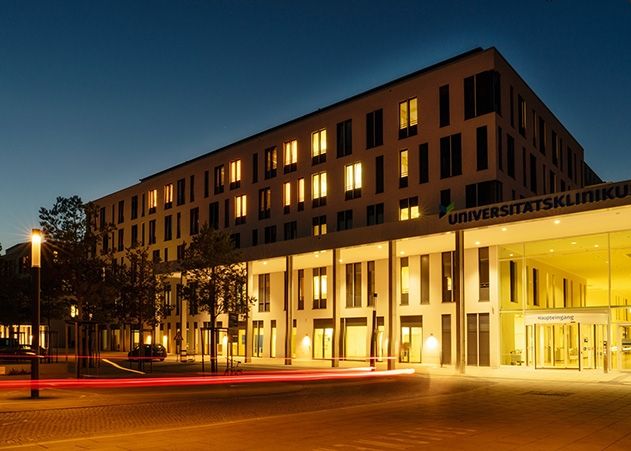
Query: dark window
{"points": [[156, 256], [194, 221], [353, 285], [291, 230], [482, 94], [255, 237], [265, 203], [344, 138], [524, 167], [483, 193], [408, 117], [121, 211], [423, 163], [482, 150], [271, 162], [500, 149], [483, 273], [533, 174], [344, 220], [121, 240], [553, 181], [168, 228], [445, 197], [255, 167], [443, 105], [206, 184], [542, 136], [181, 192], [510, 156], [180, 251], [425, 279], [102, 218], [264, 292], [570, 166], [512, 274], [374, 129], [213, 215], [535, 286], [152, 231], [555, 148], [134, 207], [445, 357], [191, 184], [178, 225], [521, 116], [450, 156], [270, 234], [374, 214], [134, 235], [512, 107], [235, 239], [220, 179], [447, 276], [301, 289], [370, 283], [379, 175]]}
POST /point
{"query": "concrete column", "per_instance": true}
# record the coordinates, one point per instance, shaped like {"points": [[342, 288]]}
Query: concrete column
{"points": [[289, 307], [335, 361], [249, 336], [392, 304], [458, 293]]}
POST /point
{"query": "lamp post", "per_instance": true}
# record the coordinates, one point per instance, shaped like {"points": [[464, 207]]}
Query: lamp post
{"points": [[36, 254]]}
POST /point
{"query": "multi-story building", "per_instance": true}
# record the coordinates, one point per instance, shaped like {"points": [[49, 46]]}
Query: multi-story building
{"points": [[361, 220]]}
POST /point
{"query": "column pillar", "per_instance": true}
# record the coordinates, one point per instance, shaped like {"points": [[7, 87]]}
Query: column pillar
{"points": [[458, 293], [289, 307], [249, 336], [392, 298], [335, 361]]}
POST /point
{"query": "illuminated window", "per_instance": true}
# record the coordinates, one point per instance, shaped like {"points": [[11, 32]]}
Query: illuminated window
{"points": [[318, 146], [319, 225], [152, 198], [290, 150], [286, 196], [408, 118], [264, 292], [403, 168], [265, 203], [353, 180], [301, 289], [353, 285], [319, 288], [168, 195], [220, 179], [235, 174], [240, 209], [301, 194], [271, 162], [318, 189], [404, 278], [408, 209]]}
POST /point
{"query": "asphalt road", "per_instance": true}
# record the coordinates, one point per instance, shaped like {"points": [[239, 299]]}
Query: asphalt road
{"points": [[397, 413]]}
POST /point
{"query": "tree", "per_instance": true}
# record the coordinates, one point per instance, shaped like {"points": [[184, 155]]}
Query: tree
{"points": [[140, 291], [216, 279]]}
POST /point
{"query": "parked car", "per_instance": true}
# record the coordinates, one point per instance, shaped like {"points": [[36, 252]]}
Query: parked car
{"points": [[11, 350], [148, 352]]}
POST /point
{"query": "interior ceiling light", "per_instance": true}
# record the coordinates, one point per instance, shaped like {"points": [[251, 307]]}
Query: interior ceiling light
{"points": [[557, 221]]}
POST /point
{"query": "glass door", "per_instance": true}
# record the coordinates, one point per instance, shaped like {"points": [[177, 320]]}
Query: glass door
{"points": [[557, 345]]}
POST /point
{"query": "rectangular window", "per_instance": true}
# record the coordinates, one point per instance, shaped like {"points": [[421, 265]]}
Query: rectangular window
{"points": [[213, 215], [191, 188], [152, 231], [542, 136], [240, 209], [269, 234], [168, 195], [301, 289], [264, 293], [535, 286], [408, 209], [344, 138], [521, 115], [180, 251], [301, 194], [181, 193], [178, 225], [482, 94], [318, 146], [353, 181], [194, 221], [102, 217], [286, 197], [478, 340], [168, 228], [483, 193], [353, 285], [450, 156], [319, 288], [318, 189], [512, 278], [255, 237], [291, 230], [206, 184], [134, 207], [134, 235], [220, 179], [255, 167], [443, 105], [483, 273], [425, 279], [235, 174], [423, 163], [121, 211], [447, 276], [500, 149], [265, 203], [271, 162], [533, 174], [445, 332], [121, 240], [510, 156], [374, 129], [344, 220], [152, 200], [555, 147], [482, 150], [404, 281], [379, 174], [319, 225], [370, 283], [512, 107], [408, 118], [374, 214], [403, 168], [290, 152]]}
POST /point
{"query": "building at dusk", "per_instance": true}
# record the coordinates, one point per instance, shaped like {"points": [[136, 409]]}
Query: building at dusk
{"points": [[447, 215]]}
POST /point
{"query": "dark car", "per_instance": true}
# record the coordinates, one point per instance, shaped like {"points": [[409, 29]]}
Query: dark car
{"points": [[11, 350], [148, 352]]}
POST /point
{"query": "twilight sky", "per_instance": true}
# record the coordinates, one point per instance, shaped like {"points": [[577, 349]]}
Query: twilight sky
{"points": [[96, 94]]}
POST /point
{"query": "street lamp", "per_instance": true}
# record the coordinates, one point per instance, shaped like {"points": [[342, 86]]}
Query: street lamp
{"points": [[36, 263]]}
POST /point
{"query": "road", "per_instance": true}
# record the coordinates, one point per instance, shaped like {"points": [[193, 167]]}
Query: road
{"points": [[391, 413]]}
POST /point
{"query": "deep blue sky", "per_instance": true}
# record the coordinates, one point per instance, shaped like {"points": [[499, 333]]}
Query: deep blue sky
{"points": [[96, 94]]}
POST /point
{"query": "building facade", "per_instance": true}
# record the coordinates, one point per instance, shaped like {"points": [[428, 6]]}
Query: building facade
{"points": [[404, 224]]}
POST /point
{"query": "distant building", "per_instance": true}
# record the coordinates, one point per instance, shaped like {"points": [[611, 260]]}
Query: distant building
{"points": [[451, 202]]}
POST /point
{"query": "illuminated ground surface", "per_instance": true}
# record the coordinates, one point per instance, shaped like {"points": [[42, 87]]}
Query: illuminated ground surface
{"points": [[390, 413]]}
